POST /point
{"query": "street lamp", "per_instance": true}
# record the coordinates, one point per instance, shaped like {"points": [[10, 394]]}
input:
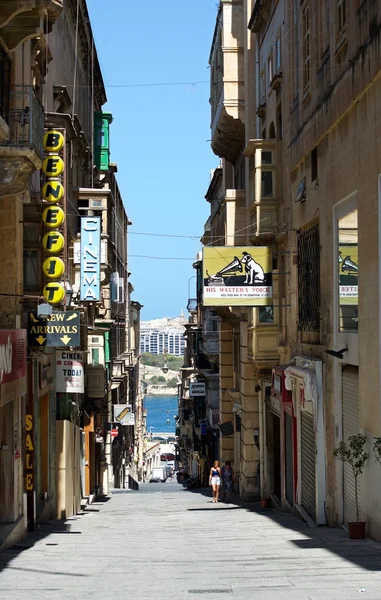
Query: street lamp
{"points": [[68, 293], [165, 367]]}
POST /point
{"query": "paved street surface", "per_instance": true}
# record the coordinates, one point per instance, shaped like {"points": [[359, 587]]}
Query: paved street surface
{"points": [[166, 543]]}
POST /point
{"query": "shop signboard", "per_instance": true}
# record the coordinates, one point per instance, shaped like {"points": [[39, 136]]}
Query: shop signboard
{"points": [[61, 329], [12, 364], [90, 259], [196, 388], [237, 276], [53, 215], [123, 414], [70, 372]]}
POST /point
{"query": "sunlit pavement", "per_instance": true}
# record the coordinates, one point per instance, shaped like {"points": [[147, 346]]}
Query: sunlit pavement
{"points": [[164, 542]]}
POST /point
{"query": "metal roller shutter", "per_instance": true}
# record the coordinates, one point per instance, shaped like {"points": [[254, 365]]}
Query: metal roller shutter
{"points": [[308, 464], [351, 421]]}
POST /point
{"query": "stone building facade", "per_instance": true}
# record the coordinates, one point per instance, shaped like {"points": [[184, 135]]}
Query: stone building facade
{"points": [[295, 122]]}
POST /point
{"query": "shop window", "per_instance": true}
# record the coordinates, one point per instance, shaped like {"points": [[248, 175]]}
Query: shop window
{"points": [[348, 271]]}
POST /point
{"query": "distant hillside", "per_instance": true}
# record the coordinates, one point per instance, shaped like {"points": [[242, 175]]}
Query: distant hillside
{"points": [[174, 363]]}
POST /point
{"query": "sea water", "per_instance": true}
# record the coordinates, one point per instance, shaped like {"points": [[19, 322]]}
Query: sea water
{"points": [[160, 409]]}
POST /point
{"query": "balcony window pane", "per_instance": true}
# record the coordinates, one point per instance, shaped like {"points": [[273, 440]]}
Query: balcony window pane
{"points": [[267, 157], [266, 184], [266, 314]]}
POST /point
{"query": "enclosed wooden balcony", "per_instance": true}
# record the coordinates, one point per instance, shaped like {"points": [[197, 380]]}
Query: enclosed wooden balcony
{"points": [[227, 81], [21, 139], [21, 20], [263, 336]]}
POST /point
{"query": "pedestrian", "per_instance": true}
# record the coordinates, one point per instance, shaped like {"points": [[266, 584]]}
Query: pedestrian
{"points": [[215, 479], [227, 480]]}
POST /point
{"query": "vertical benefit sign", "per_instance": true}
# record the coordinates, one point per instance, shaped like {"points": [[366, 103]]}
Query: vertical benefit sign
{"points": [[53, 216], [90, 259]]}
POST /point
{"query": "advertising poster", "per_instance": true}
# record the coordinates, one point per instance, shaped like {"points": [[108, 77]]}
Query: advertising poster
{"points": [[348, 285], [237, 276]]}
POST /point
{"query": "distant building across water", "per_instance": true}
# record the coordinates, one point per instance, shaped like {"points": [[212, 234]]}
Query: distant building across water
{"points": [[159, 335]]}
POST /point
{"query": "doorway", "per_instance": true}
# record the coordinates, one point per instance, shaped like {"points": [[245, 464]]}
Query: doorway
{"points": [[276, 456], [289, 459]]}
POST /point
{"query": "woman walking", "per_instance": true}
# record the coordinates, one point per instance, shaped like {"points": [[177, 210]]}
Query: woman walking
{"points": [[227, 479], [215, 479]]}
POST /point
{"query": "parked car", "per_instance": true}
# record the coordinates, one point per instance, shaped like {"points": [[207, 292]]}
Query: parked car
{"points": [[167, 456]]}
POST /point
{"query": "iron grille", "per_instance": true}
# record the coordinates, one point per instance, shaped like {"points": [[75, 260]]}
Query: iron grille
{"points": [[309, 279]]}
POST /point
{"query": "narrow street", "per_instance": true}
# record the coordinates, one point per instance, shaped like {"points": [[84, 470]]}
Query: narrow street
{"points": [[165, 542]]}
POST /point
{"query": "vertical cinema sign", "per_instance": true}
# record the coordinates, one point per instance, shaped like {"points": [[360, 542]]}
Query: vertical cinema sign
{"points": [[53, 216], [90, 290]]}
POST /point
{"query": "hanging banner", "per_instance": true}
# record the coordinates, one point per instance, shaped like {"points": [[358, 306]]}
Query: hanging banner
{"points": [[70, 372], [237, 276], [90, 264]]}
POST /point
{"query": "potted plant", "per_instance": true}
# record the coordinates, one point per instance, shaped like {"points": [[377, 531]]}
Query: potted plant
{"points": [[354, 454]]}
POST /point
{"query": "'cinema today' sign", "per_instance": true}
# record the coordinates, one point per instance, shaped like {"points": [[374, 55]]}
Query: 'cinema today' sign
{"points": [[53, 215]]}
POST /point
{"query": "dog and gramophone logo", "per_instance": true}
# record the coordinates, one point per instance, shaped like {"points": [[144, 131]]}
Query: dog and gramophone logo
{"points": [[237, 276]]}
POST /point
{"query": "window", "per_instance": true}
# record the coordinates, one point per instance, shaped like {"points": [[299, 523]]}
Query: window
{"points": [[32, 257], [31, 269], [5, 84], [314, 164], [95, 357], [278, 60], [341, 18], [348, 271], [267, 188], [270, 68], [262, 87], [309, 279], [306, 47]]}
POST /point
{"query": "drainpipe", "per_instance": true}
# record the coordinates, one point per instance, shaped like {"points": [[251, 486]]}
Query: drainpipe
{"points": [[257, 178]]}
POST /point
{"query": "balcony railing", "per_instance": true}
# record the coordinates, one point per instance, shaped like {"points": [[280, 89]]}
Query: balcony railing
{"points": [[25, 119]]}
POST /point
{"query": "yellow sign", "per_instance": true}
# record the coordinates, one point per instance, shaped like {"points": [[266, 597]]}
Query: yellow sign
{"points": [[53, 242], [53, 216], [53, 191], [53, 166], [53, 267], [53, 141], [237, 276], [54, 292]]}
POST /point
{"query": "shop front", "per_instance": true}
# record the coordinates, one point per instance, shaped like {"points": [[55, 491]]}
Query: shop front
{"points": [[304, 381], [13, 388]]}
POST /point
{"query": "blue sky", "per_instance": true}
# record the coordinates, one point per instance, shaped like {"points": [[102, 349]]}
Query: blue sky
{"points": [[159, 136]]}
